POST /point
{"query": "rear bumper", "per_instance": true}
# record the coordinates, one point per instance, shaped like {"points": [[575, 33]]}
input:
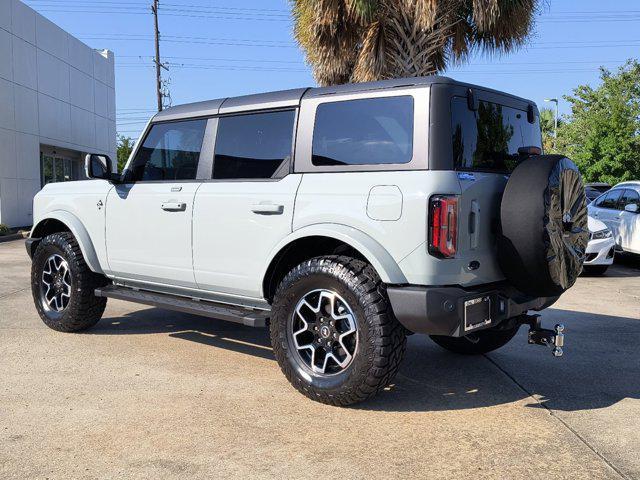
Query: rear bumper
{"points": [[441, 310]]}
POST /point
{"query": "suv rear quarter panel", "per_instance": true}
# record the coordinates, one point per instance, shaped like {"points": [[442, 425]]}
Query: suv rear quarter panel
{"points": [[343, 198]]}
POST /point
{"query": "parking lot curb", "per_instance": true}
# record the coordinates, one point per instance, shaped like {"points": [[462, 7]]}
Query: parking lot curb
{"points": [[14, 236]]}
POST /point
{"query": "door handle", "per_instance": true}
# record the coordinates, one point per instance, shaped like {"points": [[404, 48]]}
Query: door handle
{"points": [[474, 224], [174, 207], [267, 209]]}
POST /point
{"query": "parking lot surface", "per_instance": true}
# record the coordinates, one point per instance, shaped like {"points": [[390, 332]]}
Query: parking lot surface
{"points": [[154, 394]]}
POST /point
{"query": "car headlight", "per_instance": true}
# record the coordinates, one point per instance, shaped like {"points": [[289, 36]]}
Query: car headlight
{"points": [[600, 234]]}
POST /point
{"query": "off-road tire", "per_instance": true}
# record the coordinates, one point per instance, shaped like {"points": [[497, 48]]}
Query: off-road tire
{"points": [[481, 342], [84, 309], [381, 338], [595, 270], [543, 226]]}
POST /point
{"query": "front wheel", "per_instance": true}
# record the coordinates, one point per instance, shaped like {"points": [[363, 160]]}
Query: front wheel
{"points": [[477, 343], [333, 332], [63, 285]]}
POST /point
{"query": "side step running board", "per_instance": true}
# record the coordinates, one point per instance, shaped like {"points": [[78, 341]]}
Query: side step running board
{"points": [[245, 316]]}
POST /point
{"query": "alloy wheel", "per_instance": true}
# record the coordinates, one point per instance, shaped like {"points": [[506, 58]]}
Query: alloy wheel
{"points": [[56, 283], [324, 332]]}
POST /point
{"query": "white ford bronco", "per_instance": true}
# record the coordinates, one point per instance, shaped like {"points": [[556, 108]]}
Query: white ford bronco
{"points": [[344, 218]]}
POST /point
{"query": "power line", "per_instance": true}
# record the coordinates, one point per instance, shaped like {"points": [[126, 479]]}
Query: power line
{"points": [[289, 44]]}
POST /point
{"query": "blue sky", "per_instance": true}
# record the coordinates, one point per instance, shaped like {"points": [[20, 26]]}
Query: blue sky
{"points": [[221, 48]]}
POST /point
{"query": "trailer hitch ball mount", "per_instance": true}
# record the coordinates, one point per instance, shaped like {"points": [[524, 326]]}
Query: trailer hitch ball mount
{"points": [[554, 339]]}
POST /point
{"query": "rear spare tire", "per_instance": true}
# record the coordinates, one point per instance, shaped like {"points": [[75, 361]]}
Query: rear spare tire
{"points": [[543, 220]]}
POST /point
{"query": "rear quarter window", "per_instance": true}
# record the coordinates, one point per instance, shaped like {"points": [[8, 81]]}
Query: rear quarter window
{"points": [[488, 139], [373, 131]]}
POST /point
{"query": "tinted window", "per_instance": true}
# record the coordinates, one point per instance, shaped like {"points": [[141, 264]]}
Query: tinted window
{"points": [[610, 200], [364, 132], [170, 151], [629, 197], [253, 146], [489, 138], [591, 193]]}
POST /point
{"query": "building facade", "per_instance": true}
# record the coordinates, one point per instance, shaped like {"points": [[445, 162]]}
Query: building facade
{"points": [[57, 102]]}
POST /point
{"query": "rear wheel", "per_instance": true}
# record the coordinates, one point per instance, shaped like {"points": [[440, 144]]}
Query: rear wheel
{"points": [[333, 332], [478, 343], [63, 285]]}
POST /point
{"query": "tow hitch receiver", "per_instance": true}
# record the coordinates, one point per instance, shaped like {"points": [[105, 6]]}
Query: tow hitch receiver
{"points": [[554, 339]]}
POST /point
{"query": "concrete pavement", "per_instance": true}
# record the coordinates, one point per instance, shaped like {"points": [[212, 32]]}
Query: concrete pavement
{"points": [[155, 394]]}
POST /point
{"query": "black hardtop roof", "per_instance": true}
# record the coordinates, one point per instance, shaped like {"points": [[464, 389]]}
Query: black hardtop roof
{"points": [[290, 98]]}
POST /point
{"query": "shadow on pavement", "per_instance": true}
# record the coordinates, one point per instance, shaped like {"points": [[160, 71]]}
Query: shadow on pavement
{"points": [[601, 365], [207, 331], [629, 260]]}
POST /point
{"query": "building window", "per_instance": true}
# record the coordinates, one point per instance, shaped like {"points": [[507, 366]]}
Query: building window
{"points": [[56, 168]]}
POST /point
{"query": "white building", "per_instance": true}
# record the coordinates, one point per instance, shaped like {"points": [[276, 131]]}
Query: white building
{"points": [[57, 102]]}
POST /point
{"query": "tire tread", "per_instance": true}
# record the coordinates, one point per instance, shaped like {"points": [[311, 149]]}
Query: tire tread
{"points": [[390, 339], [85, 309]]}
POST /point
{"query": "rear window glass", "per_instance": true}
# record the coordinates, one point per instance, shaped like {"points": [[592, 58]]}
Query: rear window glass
{"points": [[371, 131], [488, 139]]}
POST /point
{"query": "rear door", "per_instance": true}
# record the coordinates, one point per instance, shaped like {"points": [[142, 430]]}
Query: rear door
{"points": [[485, 144], [148, 219], [246, 208]]}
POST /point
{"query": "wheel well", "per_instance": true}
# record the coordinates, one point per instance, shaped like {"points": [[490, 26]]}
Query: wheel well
{"points": [[49, 226], [297, 252], [44, 228]]}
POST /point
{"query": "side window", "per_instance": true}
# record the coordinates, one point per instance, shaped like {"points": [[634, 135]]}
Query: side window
{"points": [[610, 200], [254, 145], [629, 197], [170, 151], [371, 131]]}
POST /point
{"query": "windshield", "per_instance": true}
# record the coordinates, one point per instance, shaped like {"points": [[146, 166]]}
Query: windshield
{"points": [[489, 138]]}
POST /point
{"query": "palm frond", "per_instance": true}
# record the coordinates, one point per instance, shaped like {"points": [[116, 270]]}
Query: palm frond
{"points": [[364, 40]]}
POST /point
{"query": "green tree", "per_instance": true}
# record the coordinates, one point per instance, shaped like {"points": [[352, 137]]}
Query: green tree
{"points": [[125, 147], [364, 40], [547, 125], [602, 132]]}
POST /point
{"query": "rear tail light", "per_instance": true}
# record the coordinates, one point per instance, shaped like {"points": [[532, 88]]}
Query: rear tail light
{"points": [[443, 225]]}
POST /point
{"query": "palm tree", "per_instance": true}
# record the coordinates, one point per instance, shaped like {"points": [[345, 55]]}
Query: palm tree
{"points": [[365, 40]]}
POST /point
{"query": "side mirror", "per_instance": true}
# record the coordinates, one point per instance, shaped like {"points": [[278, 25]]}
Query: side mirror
{"points": [[632, 207], [98, 167]]}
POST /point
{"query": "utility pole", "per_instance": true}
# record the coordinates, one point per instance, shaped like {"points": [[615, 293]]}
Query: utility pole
{"points": [[159, 65]]}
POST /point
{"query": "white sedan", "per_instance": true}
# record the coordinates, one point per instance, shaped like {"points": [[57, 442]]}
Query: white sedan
{"points": [[619, 209], [601, 248]]}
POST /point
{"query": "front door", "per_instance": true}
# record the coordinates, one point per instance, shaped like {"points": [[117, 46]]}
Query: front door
{"points": [[148, 226], [629, 222], [605, 209], [246, 209]]}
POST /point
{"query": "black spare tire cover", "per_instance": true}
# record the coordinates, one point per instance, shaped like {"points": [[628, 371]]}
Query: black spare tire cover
{"points": [[544, 230]]}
